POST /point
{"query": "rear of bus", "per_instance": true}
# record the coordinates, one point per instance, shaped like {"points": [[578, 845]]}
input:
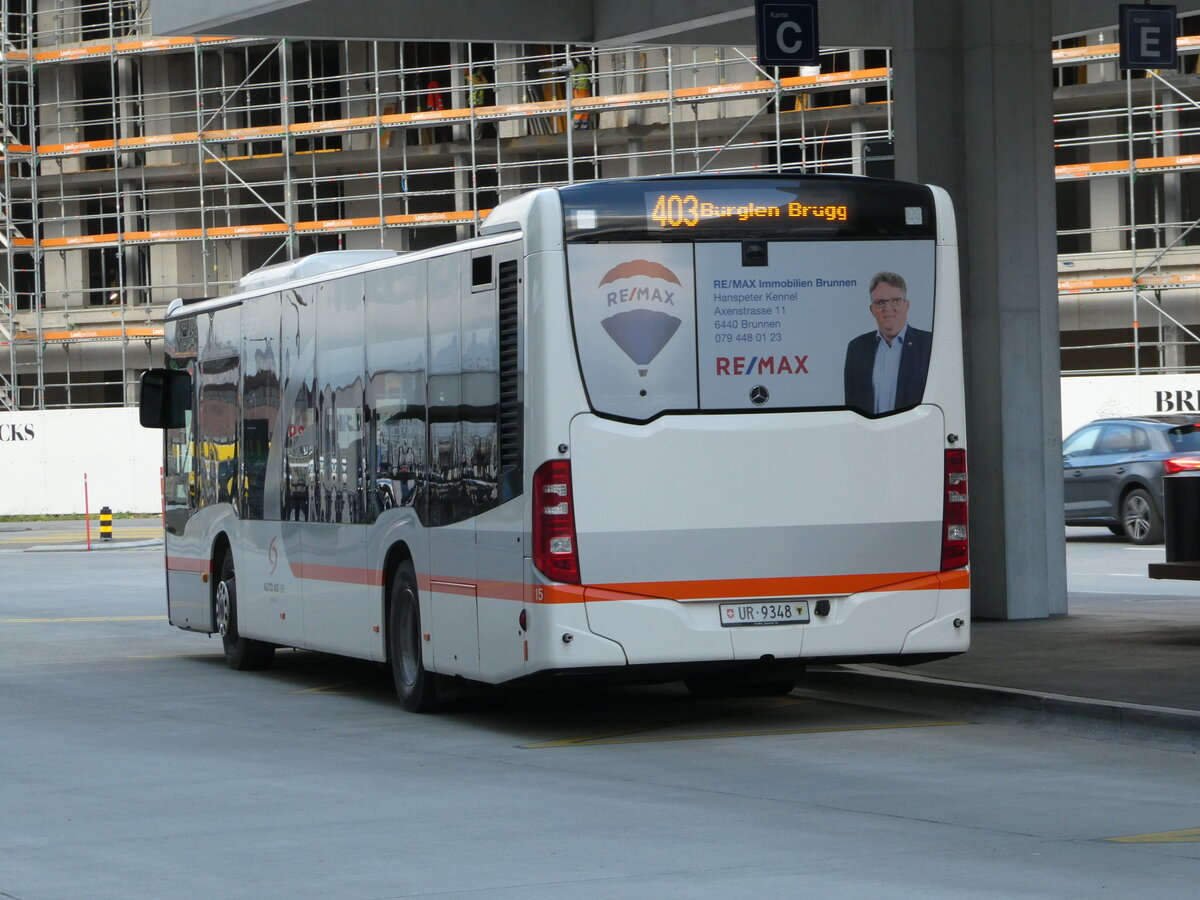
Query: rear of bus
{"points": [[714, 494]]}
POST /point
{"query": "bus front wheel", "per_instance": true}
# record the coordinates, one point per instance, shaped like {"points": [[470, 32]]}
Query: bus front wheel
{"points": [[415, 685], [241, 653]]}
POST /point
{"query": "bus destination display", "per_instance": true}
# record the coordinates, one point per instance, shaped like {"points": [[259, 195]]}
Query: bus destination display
{"points": [[747, 208], [688, 210]]}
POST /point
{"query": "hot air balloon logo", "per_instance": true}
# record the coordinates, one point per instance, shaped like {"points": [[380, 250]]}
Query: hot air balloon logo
{"points": [[640, 332]]}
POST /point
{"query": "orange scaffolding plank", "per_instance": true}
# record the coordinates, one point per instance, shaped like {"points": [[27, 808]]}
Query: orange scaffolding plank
{"points": [[104, 48], [1095, 52], [91, 334], [1119, 166], [1125, 283], [452, 217], [464, 114]]}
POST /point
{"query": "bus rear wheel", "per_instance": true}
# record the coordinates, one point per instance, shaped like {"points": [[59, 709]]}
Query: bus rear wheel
{"points": [[241, 653], [415, 685]]}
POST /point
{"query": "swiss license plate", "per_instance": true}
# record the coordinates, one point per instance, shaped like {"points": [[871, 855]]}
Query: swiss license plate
{"points": [[764, 612]]}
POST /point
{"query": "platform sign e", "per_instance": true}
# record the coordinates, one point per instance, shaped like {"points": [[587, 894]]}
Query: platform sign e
{"points": [[1148, 33], [787, 32]]}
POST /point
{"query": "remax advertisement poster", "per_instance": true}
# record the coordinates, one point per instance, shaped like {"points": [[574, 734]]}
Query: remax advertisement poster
{"points": [[634, 308], [742, 325]]}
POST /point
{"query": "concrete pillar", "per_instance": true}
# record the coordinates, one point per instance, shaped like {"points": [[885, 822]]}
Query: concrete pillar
{"points": [[973, 114]]}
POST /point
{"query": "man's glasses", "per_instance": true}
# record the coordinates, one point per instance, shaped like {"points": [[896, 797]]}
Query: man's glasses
{"points": [[893, 302]]}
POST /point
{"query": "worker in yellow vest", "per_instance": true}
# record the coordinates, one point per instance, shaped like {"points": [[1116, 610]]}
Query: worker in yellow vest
{"points": [[478, 83], [581, 86]]}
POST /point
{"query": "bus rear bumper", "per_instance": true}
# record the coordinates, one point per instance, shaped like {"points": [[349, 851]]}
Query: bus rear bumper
{"points": [[927, 615]]}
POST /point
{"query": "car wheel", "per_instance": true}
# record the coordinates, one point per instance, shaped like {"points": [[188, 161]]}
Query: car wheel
{"points": [[241, 653], [1141, 521], [415, 685], [1117, 529]]}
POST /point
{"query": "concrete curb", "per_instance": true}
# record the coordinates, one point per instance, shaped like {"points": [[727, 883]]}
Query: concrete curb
{"points": [[96, 545], [1078, 715]]}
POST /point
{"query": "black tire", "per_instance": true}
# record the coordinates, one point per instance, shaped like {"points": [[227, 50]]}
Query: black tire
{"points": [[415, 685], [241, 653], [1117, 529], [1142, 522]]}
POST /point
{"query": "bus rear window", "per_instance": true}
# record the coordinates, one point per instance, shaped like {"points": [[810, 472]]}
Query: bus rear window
{"points": [[752, 325]]}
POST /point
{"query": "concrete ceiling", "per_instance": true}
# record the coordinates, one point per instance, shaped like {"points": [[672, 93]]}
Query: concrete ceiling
{"points": [[843, 23]]}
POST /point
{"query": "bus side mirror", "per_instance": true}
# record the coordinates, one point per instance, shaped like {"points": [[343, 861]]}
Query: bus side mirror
{"points": [[165, 396]]}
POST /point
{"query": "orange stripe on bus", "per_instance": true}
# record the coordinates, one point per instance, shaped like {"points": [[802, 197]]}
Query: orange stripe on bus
{"points": [[451, 587], [341, 574], [186, 564], [959, 579], [788, 587], [732, 589]]}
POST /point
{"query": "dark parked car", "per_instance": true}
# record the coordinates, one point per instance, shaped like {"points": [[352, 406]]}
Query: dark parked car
{"points": [[1113, 471]]}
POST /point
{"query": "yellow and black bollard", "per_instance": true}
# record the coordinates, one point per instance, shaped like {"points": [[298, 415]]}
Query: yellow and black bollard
{"points": [[105, 524]]}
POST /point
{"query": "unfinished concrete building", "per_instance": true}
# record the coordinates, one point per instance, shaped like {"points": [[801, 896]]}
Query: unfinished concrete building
{"points": [[138, 169]]}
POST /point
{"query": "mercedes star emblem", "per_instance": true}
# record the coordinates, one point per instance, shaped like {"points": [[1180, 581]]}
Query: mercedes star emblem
{"points": [[759, 395]]}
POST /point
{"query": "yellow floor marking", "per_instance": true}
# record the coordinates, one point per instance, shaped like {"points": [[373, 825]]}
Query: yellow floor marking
{"points": [[617, 737], [38, 537], [84, 619], [1186, 836], [332, 688]]}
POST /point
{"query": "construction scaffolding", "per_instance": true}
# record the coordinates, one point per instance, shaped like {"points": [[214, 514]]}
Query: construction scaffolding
{"points": [[1125, 145], [138, 169]]}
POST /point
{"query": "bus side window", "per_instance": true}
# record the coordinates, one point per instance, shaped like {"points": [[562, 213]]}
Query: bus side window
{"points": [[396, 363], [340, 362], [217, 436], [447, 495], [480, 389], [260, 406], [298, 463]]}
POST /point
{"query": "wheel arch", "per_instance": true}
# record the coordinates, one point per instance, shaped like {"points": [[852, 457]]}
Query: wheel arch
{"points": [[1136, 484], [397, 554], [221, 547]]}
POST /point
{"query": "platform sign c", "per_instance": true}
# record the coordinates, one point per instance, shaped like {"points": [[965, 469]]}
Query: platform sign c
{"points": [[786, 32]]}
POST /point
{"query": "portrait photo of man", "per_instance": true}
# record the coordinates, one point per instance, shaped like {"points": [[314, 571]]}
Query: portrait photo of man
{"points": [[886, 368]]}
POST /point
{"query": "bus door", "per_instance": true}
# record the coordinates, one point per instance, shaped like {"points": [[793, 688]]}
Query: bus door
{"points": [[341, 594], [270, 598]]}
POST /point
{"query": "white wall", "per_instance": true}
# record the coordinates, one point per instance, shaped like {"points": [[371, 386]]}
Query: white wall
{"points": [[1084, 399], [45, 455]]}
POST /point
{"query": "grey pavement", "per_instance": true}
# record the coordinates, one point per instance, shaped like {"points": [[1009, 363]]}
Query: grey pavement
{"points": [[1127, 655], [134, 763], [75, 535]]}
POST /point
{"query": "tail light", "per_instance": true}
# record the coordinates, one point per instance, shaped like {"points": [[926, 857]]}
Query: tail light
{"points": [[555, 550], [954, 511], [1181, 464]]}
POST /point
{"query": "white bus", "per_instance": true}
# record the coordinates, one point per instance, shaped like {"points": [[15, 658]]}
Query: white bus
{"points": [[647, 428]]}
